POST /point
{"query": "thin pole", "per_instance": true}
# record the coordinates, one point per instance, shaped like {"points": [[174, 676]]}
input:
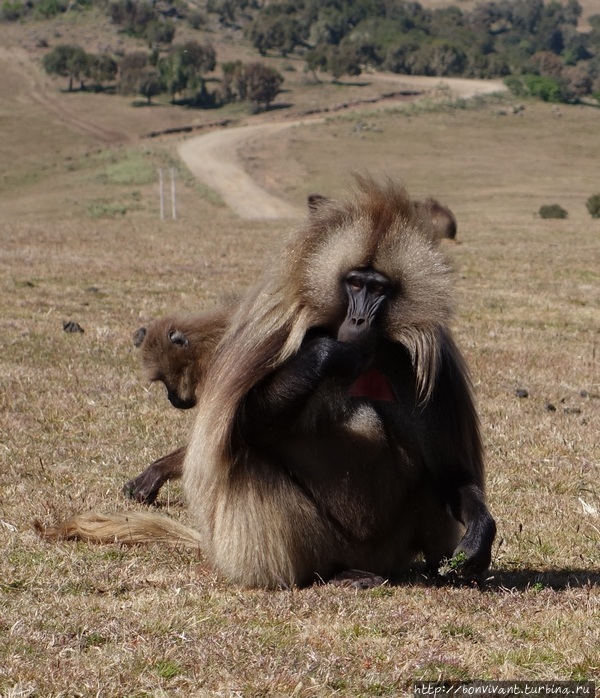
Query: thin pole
{"points": [[173, 199], [161, 188]]}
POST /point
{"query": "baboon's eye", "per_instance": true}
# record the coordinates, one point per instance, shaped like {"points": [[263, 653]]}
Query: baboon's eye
{"points": [[178, 338], [355, 282]]}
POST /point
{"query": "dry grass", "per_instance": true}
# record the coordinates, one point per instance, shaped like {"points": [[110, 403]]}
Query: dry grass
{"points": [[76, 422]]}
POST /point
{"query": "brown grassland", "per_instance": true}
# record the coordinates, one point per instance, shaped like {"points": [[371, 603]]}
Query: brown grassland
{"points": [[81, 240]]}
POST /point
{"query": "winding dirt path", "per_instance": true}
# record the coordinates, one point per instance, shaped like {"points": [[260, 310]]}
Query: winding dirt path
{"points": [[213, 157]]}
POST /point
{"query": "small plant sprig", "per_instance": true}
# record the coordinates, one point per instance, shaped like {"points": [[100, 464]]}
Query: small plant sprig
{"points": [[452, 565]]}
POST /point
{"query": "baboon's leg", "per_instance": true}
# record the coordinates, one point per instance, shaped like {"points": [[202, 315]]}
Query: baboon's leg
{"points": [[476, 544], [145, 487]]}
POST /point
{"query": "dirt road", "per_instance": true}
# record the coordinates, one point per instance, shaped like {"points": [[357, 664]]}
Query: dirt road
{"points": [[213, 157]]}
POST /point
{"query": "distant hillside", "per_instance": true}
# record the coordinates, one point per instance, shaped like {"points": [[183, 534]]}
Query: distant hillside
{"points": [[538, 47]]}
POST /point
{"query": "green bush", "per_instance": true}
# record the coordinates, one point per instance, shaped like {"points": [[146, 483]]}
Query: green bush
{"points": [[546, 88], [50, 8], [12, 10], [552, 211], [593, 205], [515, 85]]}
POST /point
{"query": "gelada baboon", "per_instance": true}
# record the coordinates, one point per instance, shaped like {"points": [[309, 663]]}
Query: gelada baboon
{"points": [[443, 221], [337, 430], [176, 350]]}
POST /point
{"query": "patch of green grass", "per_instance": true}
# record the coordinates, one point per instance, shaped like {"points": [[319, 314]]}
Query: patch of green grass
{"points": [[114, 208], [134, 168], [458, 630], [585, 670], [20, 179], [91, 639], [442, 670], [102, 208], [17, 585], [167, 669], [358, 630], [426, 105], [534, 658], [381, 592]]}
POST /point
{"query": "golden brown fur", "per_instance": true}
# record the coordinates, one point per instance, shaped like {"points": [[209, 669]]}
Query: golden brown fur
{"points": [[281, 495], [247, 530], [442, 221], [177, 349]]}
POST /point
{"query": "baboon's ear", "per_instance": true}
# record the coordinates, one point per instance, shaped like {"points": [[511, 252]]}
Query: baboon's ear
{"points": [[315, 201], [178, 338], [138, 336]]}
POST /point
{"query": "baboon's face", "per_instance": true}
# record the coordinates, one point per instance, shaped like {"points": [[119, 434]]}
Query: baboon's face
{"points": [[167, 357]]}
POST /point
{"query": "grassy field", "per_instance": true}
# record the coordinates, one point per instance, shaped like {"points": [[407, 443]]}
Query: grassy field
{"points": [[81, 240]]}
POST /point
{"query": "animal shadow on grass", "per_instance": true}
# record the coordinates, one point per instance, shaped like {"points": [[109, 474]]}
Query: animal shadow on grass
{"points": [[556, 579], [498, 579]]}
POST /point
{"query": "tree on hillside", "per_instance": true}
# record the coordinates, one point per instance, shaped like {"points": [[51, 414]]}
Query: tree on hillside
{"points": [[280, 33], [67, 60], [149, 83], [229, 10], [159, 32], [131, 67], [142, 19], [184, 66], [254, 82], [132, 15], [344, 60], [233, 83], [138, 76], [262, 85], [101, 68], [315, 59]]}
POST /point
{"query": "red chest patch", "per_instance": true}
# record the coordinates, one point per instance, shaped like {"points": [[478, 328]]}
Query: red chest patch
{"points": [[372, 385]]}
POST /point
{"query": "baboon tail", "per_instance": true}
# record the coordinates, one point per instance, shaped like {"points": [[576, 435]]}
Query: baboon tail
{"points": [[131, 527]]}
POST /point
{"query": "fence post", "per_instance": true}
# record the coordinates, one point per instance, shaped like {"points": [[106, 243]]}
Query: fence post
{"points": [[161, 189], [173, 199]]}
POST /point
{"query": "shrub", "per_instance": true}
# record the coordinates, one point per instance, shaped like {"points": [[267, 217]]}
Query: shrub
{"points": [[552, 211], [50, 8], [544, 87], [262, 85], [196, 19], [12, 10], [593, 205]]}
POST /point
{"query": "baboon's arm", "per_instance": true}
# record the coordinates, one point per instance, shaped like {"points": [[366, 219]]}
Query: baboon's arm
{"points": [[145, 487]]}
